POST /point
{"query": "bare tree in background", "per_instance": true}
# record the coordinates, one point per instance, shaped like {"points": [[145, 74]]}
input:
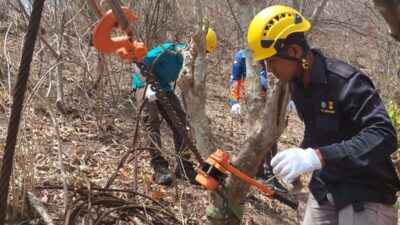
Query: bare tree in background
{"points": [[193, 83], [59, 12]]}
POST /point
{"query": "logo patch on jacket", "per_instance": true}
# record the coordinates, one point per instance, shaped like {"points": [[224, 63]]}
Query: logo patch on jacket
{"points": [[327, 107]]}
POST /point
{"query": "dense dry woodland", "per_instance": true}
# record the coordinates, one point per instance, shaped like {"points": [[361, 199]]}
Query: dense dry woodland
{"points": [[80, 155]]}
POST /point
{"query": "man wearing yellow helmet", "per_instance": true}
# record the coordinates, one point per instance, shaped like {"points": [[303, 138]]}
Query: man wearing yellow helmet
{"points": [[166, 68], [348, 136]]}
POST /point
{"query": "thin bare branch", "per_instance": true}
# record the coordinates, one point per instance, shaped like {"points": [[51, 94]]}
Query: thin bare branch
{"points": [[317, 12]]}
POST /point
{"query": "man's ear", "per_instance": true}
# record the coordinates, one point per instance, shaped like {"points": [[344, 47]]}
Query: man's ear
{"points": [[296, 50]]}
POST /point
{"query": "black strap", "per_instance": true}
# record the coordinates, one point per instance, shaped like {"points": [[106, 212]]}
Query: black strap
{"points": [[358, 206], [287, 57]]}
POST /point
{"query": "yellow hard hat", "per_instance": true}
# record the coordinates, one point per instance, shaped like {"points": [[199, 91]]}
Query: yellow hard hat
{"points": [[270, 27], [211, 40]]}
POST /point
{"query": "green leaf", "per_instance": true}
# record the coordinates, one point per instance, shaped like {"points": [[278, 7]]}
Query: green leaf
{"points": [[391, 113]]}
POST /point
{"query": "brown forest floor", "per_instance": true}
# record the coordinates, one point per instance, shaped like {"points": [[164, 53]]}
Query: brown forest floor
{"points": [[92, 152]]}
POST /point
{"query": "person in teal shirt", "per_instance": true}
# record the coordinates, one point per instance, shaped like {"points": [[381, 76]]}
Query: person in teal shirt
{"points": [[165, 64]]}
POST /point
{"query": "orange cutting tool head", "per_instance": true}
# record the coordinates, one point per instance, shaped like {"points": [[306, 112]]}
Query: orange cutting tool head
{"points": [[213, 172], [126, 47], [208, 182]]}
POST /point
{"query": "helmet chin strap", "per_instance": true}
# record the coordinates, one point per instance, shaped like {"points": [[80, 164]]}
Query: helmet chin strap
{"points": [[302, 61]]}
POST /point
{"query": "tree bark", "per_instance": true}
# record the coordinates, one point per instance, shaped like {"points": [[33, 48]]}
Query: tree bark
{"points": [[192, 82], [317, 12], [39, 208], [296, 4], [59, 59], [59, 80], [390, 11]]}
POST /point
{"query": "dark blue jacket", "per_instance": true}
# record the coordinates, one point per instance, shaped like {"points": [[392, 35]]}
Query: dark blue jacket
{"points": [[347, 121]]}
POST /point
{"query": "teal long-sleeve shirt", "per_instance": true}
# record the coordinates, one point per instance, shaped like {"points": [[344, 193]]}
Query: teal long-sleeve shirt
{"points": [[164, 65]]}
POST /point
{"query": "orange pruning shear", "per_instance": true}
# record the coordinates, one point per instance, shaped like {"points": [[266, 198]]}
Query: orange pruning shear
{"points": [[214, 172], [126, 46]]}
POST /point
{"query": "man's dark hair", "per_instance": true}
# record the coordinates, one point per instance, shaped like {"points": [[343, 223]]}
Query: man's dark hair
{"points": [[299, 39]]}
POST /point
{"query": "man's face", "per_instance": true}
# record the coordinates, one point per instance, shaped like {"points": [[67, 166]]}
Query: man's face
{"points": [[283, 69]]}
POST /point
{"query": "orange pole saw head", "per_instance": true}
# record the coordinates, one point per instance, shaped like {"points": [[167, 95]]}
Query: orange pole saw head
{"points": [[126, 47], [213, 174]]}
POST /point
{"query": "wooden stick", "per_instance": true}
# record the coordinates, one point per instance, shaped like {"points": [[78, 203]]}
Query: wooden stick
{"points": [[38, 206]]}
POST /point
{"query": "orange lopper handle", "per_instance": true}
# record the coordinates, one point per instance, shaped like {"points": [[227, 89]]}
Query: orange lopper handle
{"points": [[222, 158], [270, 193]]}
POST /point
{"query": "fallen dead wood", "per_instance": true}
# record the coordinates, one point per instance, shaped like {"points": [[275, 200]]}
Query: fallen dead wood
{"points": [[39, 208]]}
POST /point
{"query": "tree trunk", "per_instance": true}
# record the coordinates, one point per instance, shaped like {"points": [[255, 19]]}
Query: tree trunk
{"points": [[296, 4], [317, 12], [390, 11], [59, 80], [193, 85], [59, 59]]}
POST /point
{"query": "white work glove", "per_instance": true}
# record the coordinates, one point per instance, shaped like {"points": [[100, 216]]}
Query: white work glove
{"points": [[293, 162], [151, 95], [235, 110], [291, 107]]}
